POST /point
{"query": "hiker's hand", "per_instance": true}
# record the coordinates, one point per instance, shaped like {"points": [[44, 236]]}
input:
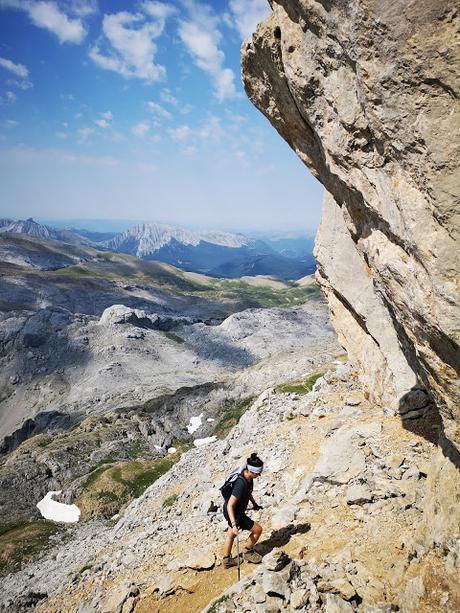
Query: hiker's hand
{"points": [[236, 530]]}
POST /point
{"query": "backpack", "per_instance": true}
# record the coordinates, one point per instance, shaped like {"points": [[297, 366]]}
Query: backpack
{"points": [[227, 488]]}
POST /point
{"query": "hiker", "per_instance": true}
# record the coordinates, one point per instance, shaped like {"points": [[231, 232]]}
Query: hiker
{"points": [[235, 512]]}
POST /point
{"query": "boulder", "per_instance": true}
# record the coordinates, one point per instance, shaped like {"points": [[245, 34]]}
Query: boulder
{"points": [[274, 584], [276, 560], [299, 598], [335, 604], [119, 314], [200, 559]]}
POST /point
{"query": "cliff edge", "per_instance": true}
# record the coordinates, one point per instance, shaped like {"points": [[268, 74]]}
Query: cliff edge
{"points": [[367, 95]]}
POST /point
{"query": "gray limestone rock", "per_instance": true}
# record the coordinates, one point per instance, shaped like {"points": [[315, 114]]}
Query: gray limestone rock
{"points": [[276, 560], [358, 493], [274, 585], [366, 96], [335, 604]]}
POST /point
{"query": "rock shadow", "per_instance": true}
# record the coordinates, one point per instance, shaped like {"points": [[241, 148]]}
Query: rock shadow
{"points": [[223, 352], [426, 421], [281, 537]]}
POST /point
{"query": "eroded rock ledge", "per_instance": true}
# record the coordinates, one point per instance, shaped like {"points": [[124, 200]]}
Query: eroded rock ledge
{"points": [[367, 95]]}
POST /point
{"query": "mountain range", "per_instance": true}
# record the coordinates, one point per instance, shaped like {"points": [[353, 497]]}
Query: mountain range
{"points": [[210, 252]]}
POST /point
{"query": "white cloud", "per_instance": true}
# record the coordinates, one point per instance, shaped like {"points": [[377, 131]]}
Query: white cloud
{"points": [[102, 123], [211, 129], [107, 115], [140, 129], [61, 135], [10, 97], [130, 44], [158, 10], [157, 109], [180, 134], [18, 69], [54, 16], [247, 14], [51, 16], [186, 109], [83, 135], [47, 15], [167, 97], [201, 38], [10, 123], [81, 8]]}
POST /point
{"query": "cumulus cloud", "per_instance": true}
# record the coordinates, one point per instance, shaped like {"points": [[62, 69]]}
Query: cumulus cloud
{"points": [[140, 129], [180, 134], [102, 123], [158, 10], [10, 97], [129, 47], [247, 14], [167, 97], [107, 115], [158, 110], [18, 69], [83, 135], [54, 16], [201, 37]]}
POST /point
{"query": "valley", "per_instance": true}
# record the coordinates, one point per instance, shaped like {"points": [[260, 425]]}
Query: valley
{"points": [[106, 360]]}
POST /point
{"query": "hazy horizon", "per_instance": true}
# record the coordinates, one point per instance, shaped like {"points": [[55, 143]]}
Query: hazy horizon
{"points": [[120, 225], [116, 109]]}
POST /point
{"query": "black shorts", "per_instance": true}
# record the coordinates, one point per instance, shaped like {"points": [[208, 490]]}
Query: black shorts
{"points": [[242, 521]]}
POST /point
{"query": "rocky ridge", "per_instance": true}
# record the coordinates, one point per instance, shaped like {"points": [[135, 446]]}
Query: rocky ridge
{"points": [[145, 239]]}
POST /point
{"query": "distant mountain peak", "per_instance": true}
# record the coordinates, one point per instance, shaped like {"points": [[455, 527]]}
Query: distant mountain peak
{"points": [[146, 238]]}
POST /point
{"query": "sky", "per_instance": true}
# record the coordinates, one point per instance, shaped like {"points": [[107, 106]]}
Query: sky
{"points": [[135, 110]]}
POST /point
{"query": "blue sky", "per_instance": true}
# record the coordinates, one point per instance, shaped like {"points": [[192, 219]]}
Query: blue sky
{"points": [[135, 110]]}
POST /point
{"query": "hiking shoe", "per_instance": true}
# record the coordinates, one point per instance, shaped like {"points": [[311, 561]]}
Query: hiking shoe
{"points": [[252, 556], [230, 562]]}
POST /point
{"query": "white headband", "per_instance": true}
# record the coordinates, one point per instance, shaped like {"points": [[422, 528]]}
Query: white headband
{"points": [[255, 469]]}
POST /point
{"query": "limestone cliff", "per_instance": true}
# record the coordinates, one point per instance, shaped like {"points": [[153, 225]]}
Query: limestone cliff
{"points": [[366, 93]]}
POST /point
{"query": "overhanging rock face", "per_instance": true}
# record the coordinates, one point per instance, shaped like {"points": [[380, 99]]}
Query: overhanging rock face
{"points": [[366, 93]]}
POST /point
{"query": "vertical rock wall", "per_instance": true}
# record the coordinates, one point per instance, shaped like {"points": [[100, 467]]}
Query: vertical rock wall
{"points": [[367, 94]]}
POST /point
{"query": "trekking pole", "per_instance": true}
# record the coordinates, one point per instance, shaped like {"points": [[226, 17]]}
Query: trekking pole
{"points": [[238, 555]]}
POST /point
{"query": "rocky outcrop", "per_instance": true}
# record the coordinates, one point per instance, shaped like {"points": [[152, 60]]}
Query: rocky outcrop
{"points": [[342, 498], [366, 94]]}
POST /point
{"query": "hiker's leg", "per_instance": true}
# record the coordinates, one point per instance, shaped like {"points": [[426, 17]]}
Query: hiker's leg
{"points": [[229, 542], [254, 536]]}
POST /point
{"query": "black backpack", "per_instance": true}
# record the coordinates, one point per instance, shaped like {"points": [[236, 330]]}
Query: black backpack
{"points": [[227, 488]]}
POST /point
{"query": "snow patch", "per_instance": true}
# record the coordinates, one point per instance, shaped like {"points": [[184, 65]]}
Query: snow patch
{"points": [[210, 419], [172, 450], [195, 423], [57, 511], [199, 442]]}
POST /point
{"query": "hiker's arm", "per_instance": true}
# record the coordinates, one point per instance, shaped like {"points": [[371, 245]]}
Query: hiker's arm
{"points": [[231, 510], [255, 506]]}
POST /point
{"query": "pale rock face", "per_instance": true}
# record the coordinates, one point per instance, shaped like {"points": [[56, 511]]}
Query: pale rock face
{"points": [[366, 93], [358, 314]]}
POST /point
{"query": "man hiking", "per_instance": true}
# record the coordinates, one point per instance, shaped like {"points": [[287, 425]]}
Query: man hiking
{"points": [[235, 513]]}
